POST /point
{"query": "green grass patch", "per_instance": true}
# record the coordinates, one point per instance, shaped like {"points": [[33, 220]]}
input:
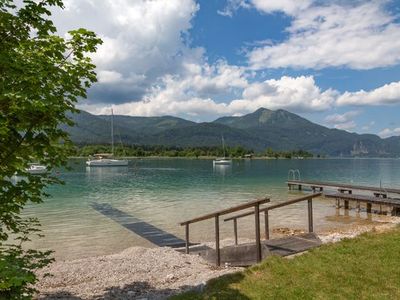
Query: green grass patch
{"points": [[366, 267]]}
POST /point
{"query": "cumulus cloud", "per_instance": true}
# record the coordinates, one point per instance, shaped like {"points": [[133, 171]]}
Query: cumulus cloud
{"points": [[142, 41], [192, 96], [387, 94], [358, 36], [387, 132]]}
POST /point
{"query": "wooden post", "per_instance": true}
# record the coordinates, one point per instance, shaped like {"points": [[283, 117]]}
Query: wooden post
{"points": [[257, 225], [187, 237], [217, 250], [369, 208], [358, 206], [300, 187], [337, 203], [266, 223], [310, 216], [346, 204], [235, 230]]}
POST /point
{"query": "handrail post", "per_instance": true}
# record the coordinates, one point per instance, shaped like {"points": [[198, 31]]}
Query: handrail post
{"points": [[257, 225], [235, 230], [217, 249], [266, 223], [187, 237], [310, 216]]}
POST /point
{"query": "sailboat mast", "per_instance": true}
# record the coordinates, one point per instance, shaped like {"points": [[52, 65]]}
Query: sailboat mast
{"points": [[112, 132], [223, 145]]}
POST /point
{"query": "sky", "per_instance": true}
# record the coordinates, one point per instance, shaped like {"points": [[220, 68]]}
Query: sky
{"points": [[334, 62]]}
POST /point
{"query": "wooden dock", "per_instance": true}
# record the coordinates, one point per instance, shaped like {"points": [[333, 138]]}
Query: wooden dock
{"points": [[247, 254], [345, 192], [244, 255], [320, 185]]}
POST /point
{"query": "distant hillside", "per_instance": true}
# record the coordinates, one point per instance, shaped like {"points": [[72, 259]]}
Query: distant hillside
{"points": [[280, 130]]}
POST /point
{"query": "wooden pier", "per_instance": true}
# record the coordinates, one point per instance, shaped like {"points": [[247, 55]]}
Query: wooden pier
{"points": [[247, 254], [345, 192], [319, 185]]}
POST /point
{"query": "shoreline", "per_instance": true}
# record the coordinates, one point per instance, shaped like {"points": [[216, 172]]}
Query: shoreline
{"points": [[153, 273]]}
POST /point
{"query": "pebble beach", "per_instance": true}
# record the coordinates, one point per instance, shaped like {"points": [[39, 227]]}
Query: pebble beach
{"points": [[152, 273]]}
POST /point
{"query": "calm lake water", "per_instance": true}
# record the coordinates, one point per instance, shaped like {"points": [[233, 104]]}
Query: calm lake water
{"points": [[164, 192]]}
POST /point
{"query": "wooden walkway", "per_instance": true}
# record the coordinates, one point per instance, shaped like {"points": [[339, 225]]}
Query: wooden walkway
{"points": [[244, 255], [145, 230], [320, 185], [378, 196], [247, 254], [392, 204]]}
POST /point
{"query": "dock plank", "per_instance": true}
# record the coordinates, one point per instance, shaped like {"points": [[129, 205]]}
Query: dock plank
{"points": [[245, 254], [311, 183]]}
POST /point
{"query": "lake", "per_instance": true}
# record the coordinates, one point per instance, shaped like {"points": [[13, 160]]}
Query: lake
{"points": [[164, 192]]}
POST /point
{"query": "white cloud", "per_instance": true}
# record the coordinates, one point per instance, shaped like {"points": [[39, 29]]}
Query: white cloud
{"points": [[194, 95], [342, 118], [106, 76], [295, 93], [290, 7], [387, 94], [387, 132], [361, 36], [346, 126], [232, 6], [142, 39]]}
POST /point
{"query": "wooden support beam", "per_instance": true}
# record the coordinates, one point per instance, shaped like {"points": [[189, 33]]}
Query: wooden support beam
{"points": [[369, 208], [187, 238], [358, 206], [257, 225], [310, 216], [217, 249], [235, 231], [346, 204], [337, 203], [266, 224]]}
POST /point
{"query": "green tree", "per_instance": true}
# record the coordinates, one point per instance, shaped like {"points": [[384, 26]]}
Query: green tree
{"points": [[42, 75]]}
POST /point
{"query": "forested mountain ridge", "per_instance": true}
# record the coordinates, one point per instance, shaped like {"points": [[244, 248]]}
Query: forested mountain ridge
{"points": [[262, 129]]}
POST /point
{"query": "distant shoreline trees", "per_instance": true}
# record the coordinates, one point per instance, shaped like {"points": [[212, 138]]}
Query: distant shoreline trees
{"points": [[170, 151]]}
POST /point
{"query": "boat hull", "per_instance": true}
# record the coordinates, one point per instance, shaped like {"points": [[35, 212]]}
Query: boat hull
{"points": [[37, 170], [107, 163], [222, 162]]}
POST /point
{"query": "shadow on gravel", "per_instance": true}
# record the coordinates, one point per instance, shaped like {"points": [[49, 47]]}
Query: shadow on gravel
{"points": [[220, 288], [136, 290], [59, 295]]}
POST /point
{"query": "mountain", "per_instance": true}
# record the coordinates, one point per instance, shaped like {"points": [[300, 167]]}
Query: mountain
{"points": [[280, 130]]}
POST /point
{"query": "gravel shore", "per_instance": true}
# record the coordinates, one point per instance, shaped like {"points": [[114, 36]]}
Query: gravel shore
{"points": [[150, 273]]}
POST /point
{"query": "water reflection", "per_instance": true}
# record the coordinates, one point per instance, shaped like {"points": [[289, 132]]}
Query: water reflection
{"points": [[222, 170]]}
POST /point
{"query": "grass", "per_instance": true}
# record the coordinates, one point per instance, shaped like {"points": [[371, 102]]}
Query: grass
{"points": [[366, 267]]}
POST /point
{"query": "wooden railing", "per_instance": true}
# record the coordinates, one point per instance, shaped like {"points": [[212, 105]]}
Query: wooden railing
{"points": [[309, 198], [256, 204]]}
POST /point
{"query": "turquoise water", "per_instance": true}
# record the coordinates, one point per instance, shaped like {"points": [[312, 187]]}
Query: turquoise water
{"points": [[164, 192]]}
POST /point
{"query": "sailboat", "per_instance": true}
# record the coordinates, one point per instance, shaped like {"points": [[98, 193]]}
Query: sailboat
{"points": [[106, 159], [36, 169], [222, 160]]}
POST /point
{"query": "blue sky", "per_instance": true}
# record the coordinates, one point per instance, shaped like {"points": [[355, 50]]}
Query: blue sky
{"points": [[334, 62]]}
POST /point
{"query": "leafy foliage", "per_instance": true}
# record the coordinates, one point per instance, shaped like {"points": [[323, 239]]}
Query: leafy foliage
{"points": [[42, 75]]}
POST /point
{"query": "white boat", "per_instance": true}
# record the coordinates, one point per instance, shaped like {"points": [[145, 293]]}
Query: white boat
{"points": [[103, 160], [36, 169], [222, 160], [106, 159]]}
